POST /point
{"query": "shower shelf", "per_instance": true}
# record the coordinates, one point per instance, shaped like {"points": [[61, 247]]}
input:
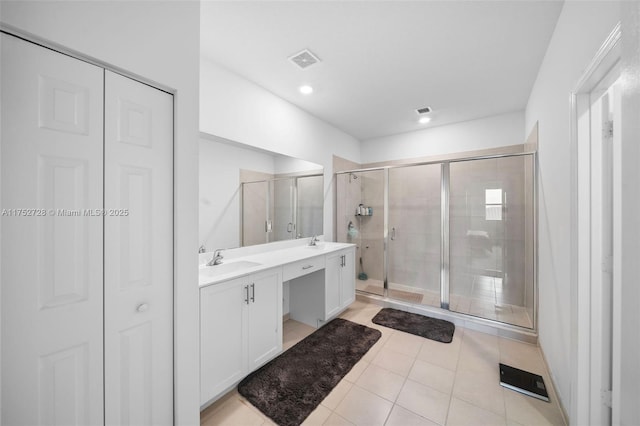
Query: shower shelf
{"points": [[368, 211]]}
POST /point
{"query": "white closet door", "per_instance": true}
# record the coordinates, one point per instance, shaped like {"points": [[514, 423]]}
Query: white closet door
{"points": [[51, 261], [138, 253]]}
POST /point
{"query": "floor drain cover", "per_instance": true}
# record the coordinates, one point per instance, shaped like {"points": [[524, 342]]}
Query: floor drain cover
{"points": [[523, 382]]}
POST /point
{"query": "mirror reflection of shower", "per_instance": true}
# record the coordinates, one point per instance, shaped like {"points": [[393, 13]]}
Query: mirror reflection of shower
{"points": [[282, 208]]}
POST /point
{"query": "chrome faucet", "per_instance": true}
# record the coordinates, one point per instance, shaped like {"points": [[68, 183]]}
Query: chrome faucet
{"points": [[314, 240], [217, 258]]}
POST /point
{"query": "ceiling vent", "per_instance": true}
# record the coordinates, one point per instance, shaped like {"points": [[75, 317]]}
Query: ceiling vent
{"points": [[424, 110], [304, 59]]}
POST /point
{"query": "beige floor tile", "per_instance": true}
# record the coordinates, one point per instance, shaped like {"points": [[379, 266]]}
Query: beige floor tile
{"points": [[522, 355], [480, 390], [461, 413], [531, 411], [210, 410], [385, 331], [475, 339], [317, 416], [334, 398], [365, 315], [381, 381], [336, 420], [353, 375], [442, 354], [361, 407], [479, 359], [402, 417], [234, 413], [432, 375], [394, 361], [405, 343], [424, 401], [373, 351], [297, 326]]}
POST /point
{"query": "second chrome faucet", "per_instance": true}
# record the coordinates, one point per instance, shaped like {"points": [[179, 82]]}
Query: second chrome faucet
{"points": [[217, 258]]}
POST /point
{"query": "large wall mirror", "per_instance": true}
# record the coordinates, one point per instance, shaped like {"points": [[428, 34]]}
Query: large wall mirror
{"points": [[250, 196], [282, 207]]}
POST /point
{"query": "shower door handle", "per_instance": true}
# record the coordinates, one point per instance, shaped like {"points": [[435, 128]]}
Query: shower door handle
{"points": [[289, 227], [393, 234]]}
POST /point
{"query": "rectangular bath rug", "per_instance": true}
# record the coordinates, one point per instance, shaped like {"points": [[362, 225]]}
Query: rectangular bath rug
{"points": [[288, 388], [420, 325]]}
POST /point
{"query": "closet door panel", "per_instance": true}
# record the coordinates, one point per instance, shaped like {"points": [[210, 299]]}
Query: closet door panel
{"points": [[138, 253], [51, 179]]}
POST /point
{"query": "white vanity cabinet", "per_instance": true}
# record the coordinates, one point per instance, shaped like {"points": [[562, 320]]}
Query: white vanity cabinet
{"points": [[241, 316], [339, 281], [240, 329]]}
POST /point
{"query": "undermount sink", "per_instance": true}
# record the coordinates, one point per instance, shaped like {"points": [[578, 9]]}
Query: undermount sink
{"points": [[227, 268]]}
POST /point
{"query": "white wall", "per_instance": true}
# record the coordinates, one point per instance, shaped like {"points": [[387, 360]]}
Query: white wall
{"points": [[490, 132], [236, 109], [290, 165], [159, 41], [580, 31], [220, 165]]}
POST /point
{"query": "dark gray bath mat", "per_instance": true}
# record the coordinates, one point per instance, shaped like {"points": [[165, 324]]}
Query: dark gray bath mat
{"points": [[288, 388], [420, 325]]}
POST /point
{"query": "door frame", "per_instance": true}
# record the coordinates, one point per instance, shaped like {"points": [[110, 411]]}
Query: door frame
{"points": [[584, 312]]}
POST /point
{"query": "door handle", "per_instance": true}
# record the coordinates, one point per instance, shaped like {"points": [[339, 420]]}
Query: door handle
{"points": [[393, 234], [343, 261], [246, 294], [289, 227], [143, 307], [253, 292]]}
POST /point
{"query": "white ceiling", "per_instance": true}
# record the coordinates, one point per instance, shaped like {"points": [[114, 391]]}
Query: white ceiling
{"points": [[380, 60]]}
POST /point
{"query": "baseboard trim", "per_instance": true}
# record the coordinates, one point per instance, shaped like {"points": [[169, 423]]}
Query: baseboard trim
{"points": [[563, 410]]}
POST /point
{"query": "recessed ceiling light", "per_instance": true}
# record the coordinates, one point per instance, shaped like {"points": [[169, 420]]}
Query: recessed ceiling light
{"points": [[306, 89], [424, 120], [423, 110]]}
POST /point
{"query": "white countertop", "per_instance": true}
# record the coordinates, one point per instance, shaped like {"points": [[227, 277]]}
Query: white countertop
{"points": [[237, 267]]}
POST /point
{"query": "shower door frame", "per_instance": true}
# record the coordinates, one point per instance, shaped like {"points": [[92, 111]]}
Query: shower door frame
{"points": [[444, 231]]}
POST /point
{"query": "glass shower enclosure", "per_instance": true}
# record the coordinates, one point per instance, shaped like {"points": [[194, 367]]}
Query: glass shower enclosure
{"points": [[457, 235]]}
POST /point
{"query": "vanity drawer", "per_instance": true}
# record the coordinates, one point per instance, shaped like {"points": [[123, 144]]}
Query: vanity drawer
{"points": [[302, 267]]}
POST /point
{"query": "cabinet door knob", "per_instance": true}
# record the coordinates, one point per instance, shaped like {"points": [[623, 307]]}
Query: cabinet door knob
{"points": [[142, 307], [253, 292], [246, 298], [307, 267]]}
